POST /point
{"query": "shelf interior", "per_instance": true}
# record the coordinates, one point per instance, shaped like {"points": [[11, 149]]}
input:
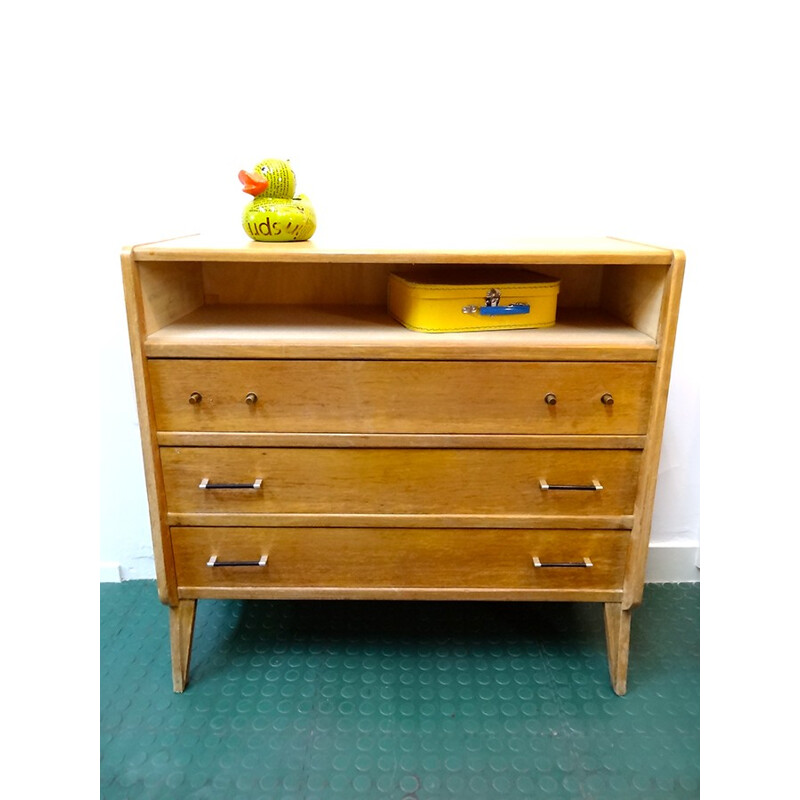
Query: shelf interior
{"points": [[319, 310]]}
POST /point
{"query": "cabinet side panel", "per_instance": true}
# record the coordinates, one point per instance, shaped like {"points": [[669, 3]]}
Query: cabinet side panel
{"points": [[168, 292], [634, 294], [643, 508], [165, 573]]}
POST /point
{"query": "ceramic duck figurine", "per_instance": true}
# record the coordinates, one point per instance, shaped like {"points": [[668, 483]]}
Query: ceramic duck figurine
{"points": [[275, 214]]}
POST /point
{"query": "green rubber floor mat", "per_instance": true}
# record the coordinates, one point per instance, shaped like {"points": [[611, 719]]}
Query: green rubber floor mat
{"points": [[405, 700]]}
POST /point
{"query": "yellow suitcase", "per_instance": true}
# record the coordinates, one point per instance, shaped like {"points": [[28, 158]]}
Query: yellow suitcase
{"points": [[456, 299]]}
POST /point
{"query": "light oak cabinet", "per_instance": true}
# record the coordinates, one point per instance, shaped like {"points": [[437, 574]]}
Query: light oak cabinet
{"points": [[299, 443]]}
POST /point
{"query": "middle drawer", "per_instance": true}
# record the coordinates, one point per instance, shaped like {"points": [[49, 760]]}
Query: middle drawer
{"points": [[455, 481], [401, 396]]}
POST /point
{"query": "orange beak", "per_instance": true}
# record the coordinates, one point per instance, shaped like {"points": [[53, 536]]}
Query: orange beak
{"points": [[253, 184]]}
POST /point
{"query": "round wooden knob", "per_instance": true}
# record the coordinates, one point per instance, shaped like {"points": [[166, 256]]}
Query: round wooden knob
{"points": [[550, 399], [251, 398], [195, 398], [607, 399]]}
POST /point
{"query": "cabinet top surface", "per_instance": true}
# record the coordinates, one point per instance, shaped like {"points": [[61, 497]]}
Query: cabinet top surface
{"points": [[590, 250]]}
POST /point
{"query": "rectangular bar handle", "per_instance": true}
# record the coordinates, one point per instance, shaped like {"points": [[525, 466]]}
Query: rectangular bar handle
{"points": [[206, 484], [583, 564], [595, 486], [505, 311], [498, 311], [213, 562]]}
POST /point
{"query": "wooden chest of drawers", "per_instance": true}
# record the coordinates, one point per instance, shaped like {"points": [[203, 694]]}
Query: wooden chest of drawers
{"points": [[299, 443]]}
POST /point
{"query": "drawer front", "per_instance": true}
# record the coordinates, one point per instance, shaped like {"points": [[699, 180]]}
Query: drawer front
{"points": [[401, 396], [359, 558], [399, 481]]}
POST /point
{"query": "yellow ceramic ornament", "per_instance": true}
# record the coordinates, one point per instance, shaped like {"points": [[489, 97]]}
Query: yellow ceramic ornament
{"points": [[275, 214]]}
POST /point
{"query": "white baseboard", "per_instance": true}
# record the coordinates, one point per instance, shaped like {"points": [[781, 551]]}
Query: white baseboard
{"points": [[673, 564], [110, 572]]}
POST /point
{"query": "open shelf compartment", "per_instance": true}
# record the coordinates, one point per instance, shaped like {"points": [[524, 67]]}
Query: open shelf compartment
{"points": [[312, 306]]}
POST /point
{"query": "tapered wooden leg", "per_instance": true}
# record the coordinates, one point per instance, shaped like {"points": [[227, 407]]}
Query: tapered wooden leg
{"points": [[618, 640], [181, 628]]}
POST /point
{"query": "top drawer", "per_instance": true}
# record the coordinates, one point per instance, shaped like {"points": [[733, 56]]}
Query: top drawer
{"points": [[401, 396]]}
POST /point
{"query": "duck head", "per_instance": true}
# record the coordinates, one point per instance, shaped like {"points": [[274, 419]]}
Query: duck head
{"points": [[272, 176]]}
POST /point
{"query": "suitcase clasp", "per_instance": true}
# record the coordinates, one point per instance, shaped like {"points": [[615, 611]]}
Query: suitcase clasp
{"points": [[492, 307], [492, 300]]}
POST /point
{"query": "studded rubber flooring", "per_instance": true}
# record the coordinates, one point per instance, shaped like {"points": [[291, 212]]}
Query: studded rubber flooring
{"points": [[405, 700]]}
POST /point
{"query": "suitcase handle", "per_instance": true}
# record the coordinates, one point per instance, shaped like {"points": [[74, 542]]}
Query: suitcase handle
{"points": [[504, 311]]}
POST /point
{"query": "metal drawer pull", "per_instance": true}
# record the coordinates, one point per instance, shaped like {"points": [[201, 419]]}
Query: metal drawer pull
{"points": [[262, 562], [596, 486], [607, 399], [251, 398], [195, 398], [585, 563], [204, 484]]}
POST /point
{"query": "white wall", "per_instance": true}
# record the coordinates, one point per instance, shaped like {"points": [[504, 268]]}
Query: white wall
{"points": [[533, 119], [529, 118]]}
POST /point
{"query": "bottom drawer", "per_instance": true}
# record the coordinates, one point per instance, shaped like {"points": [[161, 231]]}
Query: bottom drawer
{"points": [[399, 563]]}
